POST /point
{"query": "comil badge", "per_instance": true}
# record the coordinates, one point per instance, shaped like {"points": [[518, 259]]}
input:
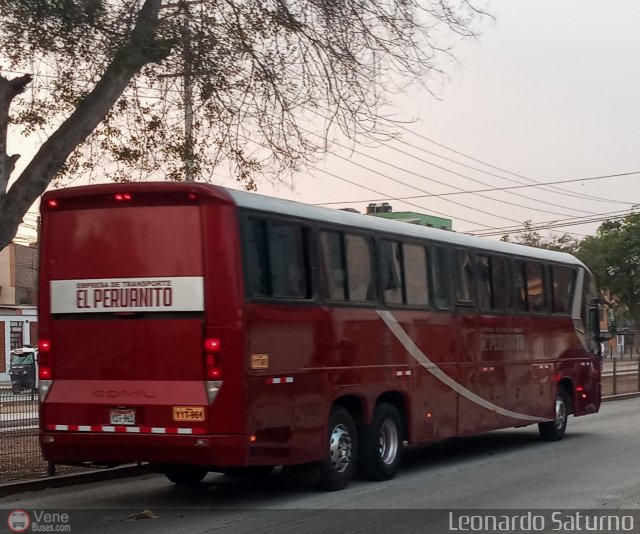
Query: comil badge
{"points": [[19, 521]]}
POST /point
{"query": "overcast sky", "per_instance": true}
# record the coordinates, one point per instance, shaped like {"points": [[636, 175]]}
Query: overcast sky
{"points": [[550, 92]]}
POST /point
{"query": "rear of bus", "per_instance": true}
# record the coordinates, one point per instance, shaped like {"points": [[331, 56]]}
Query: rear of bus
{"points": [[139, 316]]}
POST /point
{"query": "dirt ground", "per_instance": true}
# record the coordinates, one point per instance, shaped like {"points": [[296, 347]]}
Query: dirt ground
{"points": [[20, 457]]}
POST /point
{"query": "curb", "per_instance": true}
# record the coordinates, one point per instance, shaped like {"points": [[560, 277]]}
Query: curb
{"points": [[59, 481], [621, 396]]}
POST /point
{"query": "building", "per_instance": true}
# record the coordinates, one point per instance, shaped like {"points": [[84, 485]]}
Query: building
{"points": [[19, 275], [18, 296], [385, 210]]}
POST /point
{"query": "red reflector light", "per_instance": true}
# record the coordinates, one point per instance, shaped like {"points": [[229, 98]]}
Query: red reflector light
{"points": [[120, 197], [214, 373], [212, 368], [52, 203], [44, 373], [192, 197], [212, 344], [44, 360]]}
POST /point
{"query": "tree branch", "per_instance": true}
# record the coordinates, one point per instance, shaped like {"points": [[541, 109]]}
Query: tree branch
{"points": [[9, 89], [141, 49]]}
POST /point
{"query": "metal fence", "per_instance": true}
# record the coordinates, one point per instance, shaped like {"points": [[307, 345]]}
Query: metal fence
{"points": [[21, 459], [20, 456], [620, 376]]}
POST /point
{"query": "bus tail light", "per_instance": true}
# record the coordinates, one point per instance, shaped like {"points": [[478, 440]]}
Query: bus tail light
{"points": [[45, 368], [45, 371], [213, 370]]}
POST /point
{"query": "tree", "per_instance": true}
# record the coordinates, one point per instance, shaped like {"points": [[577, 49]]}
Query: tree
{"points": [[260, 85], [532, 238], [613, 255]]}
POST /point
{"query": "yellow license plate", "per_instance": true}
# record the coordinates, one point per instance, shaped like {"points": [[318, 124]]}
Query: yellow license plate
{"points": [[188, 413]]}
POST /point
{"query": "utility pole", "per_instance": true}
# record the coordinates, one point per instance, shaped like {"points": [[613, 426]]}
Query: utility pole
{"points": [[188, 94], [187, 81]]}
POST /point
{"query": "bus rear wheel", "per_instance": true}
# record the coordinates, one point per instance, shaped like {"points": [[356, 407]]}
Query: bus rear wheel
{"points": [[337, 469], [184, 475], [381, 444], [556, 429]]}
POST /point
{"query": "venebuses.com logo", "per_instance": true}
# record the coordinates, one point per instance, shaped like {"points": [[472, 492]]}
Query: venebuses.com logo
{"points": [[38, 521], [18, 521]]}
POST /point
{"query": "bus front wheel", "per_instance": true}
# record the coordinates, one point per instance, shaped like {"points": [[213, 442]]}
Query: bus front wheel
{"points": [[555, 430], [338, 468]]}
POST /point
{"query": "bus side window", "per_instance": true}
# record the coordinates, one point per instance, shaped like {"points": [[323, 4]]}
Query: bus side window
{"points": [[334, 276], [535, 286], [562, 281], [415, 275], [346, 267], [465, 283], [359, 272], [483, 275], [391, 273], [440, 276], [257, 258], [404, 273], [277, 260], [501, 283], [520, 285], [288, 261]]}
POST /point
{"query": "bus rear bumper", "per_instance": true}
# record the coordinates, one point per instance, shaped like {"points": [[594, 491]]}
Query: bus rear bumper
{"points": [[101, 448]]}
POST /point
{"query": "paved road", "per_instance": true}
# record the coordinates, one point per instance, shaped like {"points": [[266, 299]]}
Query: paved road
{"points": [[596, 466]]}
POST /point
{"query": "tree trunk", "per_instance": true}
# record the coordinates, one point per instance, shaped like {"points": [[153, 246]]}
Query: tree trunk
{"points": [[142, 48]]}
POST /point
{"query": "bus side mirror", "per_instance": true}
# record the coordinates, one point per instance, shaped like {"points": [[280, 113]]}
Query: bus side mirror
{"points": [[599, 321]]}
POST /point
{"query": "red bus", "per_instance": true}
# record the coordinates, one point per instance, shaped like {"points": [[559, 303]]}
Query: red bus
{"points": [[203, 329]]}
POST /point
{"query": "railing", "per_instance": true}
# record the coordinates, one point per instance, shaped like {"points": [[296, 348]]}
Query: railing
{"points": [[620, 377], [20, 456]]}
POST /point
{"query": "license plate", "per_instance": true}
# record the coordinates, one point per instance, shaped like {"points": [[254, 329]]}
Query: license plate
{"points": [[123, 417], [188, 413]]}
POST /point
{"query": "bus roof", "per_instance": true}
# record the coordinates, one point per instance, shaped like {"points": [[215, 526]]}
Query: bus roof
{"points": [[254, 201], [378, 224]]}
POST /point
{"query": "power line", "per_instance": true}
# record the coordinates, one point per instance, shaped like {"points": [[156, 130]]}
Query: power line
{"points": [[563, 191], [554, 224], [573, 180]]}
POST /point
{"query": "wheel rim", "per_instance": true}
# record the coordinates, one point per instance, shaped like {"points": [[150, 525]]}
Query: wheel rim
{"points": [[388, 442], [561, 413], [340, 448]]}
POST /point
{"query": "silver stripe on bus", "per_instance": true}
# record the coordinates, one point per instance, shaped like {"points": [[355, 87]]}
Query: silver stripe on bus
{"points": [[438, 373]]}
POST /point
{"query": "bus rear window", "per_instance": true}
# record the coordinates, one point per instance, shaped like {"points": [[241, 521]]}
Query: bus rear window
{"points": [[133, 241]]}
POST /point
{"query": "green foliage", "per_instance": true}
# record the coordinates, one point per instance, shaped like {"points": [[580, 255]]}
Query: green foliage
{"points": [[613, 255], [531, 238]]}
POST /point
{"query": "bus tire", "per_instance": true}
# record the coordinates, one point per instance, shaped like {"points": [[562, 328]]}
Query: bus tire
{"points": [[184, 475], [381, 449], [337, 469], [556, 429]]}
